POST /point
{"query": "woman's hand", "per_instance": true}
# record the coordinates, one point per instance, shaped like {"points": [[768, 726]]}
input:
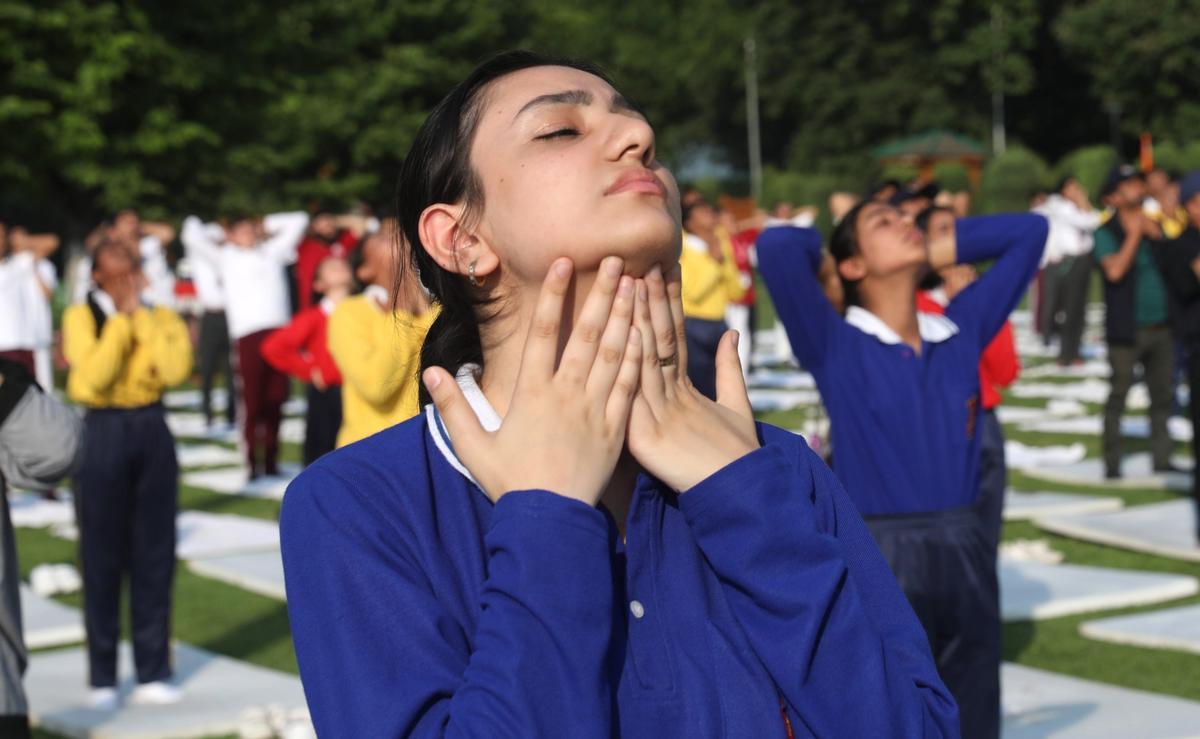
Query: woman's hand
{"points": [[565, 427], [675, 433]]}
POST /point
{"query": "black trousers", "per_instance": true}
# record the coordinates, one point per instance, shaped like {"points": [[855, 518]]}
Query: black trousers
{"points": [[321, 421], [946, 566], [1072, 300], [213, 357], [993, 475], [703, 338], [126, 498], [1154, 350]]}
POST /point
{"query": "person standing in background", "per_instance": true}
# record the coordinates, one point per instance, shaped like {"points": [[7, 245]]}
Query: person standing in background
{"points": [[1163, 204], [147, 241], [251, 263], [1067, 267], [40, 444], [711, 281], [123, 355], [1179, 261], [375, 338], [1136, 327], [740, 315], [301, 349], [25, 289], [212, 345], [328, 236]]}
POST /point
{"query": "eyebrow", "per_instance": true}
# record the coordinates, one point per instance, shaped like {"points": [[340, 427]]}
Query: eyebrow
{"points": [[584, 98]]}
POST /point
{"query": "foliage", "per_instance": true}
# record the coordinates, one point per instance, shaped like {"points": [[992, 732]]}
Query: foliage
{"points": [[1010, 179], [1090, 165]]}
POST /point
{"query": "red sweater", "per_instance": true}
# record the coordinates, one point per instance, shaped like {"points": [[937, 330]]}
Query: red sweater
{"points": [[999, 364], [300, 346], [309, 255]]}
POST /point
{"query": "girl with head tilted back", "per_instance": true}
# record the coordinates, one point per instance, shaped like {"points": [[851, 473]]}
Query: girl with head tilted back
{"points": [[570, 540]]}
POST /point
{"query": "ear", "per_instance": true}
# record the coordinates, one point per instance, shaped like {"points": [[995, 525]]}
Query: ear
{"points": [[450, 245], [852, 269]]}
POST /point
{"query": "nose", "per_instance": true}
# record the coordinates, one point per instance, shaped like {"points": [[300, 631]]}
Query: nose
{"points": [[632, 138]]}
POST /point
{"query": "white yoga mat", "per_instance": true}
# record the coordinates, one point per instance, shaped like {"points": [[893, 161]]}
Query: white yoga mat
{"points": [[259, 572], [216, 692], [206, 455], [1137, 471], [1038, 704], [1137, 427], [1036, 591], [1018, 455], [1169, 628], [1166, 529], [31, 510], [1020, 505], [48, 623], [235, 481]]}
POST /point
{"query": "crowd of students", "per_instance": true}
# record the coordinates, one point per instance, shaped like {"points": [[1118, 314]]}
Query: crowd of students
{"points": [[268, 298], [586, 532]]}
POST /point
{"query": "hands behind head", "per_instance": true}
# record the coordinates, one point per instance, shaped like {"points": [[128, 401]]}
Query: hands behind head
{"points": [[621, 381]]}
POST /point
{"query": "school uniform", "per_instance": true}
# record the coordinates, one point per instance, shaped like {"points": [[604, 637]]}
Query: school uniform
{"points": [[312, 251], [999, 367], [299, 349], [17, 278], [753, 601], [378, 352], [126, 489], [255, 283], [905, 431]]}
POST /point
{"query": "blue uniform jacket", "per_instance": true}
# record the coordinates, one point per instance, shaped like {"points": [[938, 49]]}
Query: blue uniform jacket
{"points": [[419, 608], [904, 426]]}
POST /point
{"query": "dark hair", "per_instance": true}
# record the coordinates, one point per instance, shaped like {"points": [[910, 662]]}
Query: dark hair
{"points": [[843, 244], [687, 210], [931, 279], [438, 169]]}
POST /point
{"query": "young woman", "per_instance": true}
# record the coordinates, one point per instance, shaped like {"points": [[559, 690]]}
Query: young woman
{"points": [[571, 541], [902, 389]]}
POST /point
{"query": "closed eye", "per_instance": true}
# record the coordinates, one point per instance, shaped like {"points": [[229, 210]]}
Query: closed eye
{"points": [[560, 133]]}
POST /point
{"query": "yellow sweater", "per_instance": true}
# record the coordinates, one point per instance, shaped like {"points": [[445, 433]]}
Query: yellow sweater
{"points": [[708, 286], [379, 354], [133, 360]]}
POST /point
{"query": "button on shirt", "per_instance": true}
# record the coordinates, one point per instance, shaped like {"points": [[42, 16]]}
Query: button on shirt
{"points": [[420, 608]]}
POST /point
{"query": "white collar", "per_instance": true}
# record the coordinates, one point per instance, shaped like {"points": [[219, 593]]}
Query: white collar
{"points": [[694, 242], [934, 328], [105, 301], [377, 294], [327, 306], [488, 418]]}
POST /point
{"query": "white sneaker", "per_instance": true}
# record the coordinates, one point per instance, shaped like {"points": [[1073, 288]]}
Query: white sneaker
{"points": [[157, 693], [42, 580], [103, 699], [67, 578]]}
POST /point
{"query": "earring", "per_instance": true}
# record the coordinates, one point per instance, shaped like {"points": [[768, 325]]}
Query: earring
{"points": [[471, 275]]}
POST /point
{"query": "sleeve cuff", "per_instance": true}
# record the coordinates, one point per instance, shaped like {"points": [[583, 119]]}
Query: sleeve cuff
{"points": [[540, 507], [738, 483]]}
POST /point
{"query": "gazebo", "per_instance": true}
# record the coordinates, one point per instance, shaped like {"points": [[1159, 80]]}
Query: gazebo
{"points": [[926, 150]]}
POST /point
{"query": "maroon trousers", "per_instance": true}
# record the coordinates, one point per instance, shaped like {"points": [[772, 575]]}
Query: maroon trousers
{"points": [[263, 390], [23, 357]]}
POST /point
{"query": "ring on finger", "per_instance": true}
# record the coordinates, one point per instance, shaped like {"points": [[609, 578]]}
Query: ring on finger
{"points": [[670, 361]]}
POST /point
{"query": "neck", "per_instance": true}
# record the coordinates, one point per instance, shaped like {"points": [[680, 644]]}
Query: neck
{"points": [[503, 339], [894, 301]]}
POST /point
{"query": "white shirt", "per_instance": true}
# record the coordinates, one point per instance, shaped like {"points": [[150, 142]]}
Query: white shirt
{"points": [[16, 282], [934, 328], [207, 282], [37, 304], [1071, 229], [254, 278]]}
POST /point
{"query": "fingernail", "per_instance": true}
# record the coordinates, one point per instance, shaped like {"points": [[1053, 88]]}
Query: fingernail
{"points": [[641, 290], [432, 379], [625, 288], [562, 267], [656, 270], [612, 266]]}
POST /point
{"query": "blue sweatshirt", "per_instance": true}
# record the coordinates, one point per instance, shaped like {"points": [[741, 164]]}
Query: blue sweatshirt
{"points": [[419, 608], [904, 426]]}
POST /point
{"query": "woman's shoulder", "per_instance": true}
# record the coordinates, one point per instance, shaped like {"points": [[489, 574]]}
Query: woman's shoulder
{"points": [[382, 475]]}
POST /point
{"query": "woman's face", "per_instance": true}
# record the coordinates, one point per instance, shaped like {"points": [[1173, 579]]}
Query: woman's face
{"points": [[888, 241], [568, 168]]}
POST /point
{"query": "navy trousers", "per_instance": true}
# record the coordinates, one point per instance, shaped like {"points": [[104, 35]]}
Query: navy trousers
{"points": [[946, 566], [126, 498], [322, 420], [993, 475], [703, 338]]}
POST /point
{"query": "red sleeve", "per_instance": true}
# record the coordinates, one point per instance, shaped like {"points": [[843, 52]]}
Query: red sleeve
{"points": [[1000, 365], [348, 241], [285, 348], [308, 257], [318, 347]]}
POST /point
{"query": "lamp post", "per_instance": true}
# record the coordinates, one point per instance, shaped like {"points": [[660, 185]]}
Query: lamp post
{"points": [[752, 135]]}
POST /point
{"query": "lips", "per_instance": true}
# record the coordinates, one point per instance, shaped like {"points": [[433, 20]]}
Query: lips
{"points": [[637, 181]]}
